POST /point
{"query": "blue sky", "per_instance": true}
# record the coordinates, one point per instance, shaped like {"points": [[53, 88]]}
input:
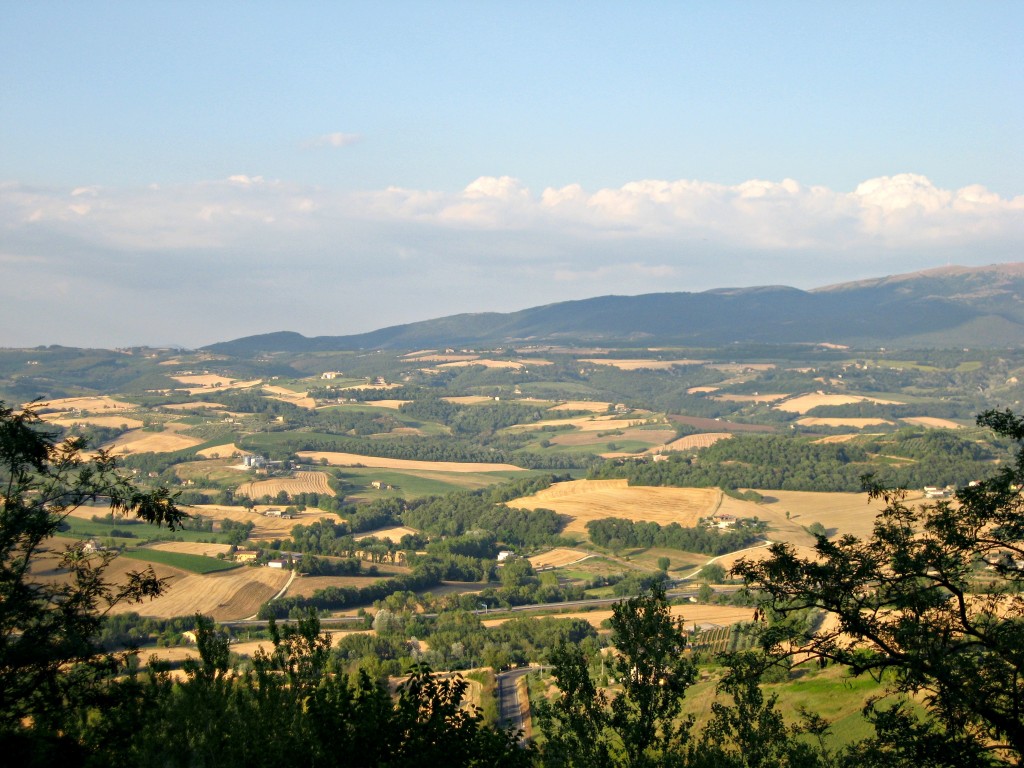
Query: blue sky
{"points": [[336, 167]]}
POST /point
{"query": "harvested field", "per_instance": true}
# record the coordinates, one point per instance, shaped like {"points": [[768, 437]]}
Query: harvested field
{"points": [[235, 594], [582, 405], [749, 398], [302, 482], [840, 513], [654, 437], [742, 367], [191, 406], [693, 442], [468, 399], [305, 586], [558, 558], [301, 399], [205, 380], [266, 527], [640, 365], [138, 441], [585, 500], [701, 390], [837, 438], [435, 358], [96, 404], [99, 421], [586, 423], [815, 421], [693, 615], [395, 533], [192, 548], [718, 425], [804, 403], [928, 421], [393, 405], [351, 459], [512, 364], [220, 451]]}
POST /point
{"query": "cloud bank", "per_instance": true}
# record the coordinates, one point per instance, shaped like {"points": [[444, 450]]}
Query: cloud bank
{"points": [[198, 263]]}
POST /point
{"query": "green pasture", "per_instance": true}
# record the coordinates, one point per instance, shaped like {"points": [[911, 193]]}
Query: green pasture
{"points": [[141, 532], [193, 563], [411, 484]]}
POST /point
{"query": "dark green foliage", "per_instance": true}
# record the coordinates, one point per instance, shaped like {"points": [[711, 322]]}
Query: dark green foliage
{"points": [[48, 627], [705, 539], [641, 726], [916, 601], [934, 457]]}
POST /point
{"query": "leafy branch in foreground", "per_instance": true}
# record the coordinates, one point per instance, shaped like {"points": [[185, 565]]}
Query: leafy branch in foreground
{"points": [[52, 602], [931, 602]]}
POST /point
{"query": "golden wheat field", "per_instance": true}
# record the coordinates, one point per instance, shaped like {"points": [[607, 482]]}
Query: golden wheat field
{"points": [[200, 404], [97, 404], [206, 549], [655, 437], [99, 421], [235, 594], [558, 558], [512, 364], [220, 451], [468, 399], [749, 398], [842, 513], [693, 615], [379, 462], [432, 357], [693, 442], [856, 423], [302, 482], [640, 365], [395, 533], [804, 403], [301, 399], [930, 421], [837, 438], [581, 405], [265, 527], [585, 500], [391, 405], [138, 441]]}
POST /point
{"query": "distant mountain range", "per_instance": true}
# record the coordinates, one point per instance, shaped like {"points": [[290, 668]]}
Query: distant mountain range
{"points": [[945, 307]]}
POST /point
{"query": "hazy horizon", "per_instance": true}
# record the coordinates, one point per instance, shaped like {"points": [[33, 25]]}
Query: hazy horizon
{"points": [[185, 174]]}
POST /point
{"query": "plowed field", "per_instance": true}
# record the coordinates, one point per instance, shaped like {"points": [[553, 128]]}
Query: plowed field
{"points": [[302, 482]]}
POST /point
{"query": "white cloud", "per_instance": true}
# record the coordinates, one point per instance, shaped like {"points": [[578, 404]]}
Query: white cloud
{"points": [[370, 259], [335, 140]]}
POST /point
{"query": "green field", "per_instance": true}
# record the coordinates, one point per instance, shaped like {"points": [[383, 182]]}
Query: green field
{"points": [[140, 532], [414, 484], [193, 563]]}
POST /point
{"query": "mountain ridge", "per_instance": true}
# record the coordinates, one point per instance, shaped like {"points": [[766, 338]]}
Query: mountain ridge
{"points": [[954, 305]]}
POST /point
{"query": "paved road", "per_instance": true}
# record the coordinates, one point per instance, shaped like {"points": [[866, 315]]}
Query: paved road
{"points": [[511, 710]]}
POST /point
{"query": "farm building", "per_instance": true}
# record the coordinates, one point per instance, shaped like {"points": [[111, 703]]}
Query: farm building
{"points": [[246, 555]]}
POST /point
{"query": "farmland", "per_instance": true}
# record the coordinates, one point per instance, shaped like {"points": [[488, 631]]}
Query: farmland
{"points": [[301, 482], [585, 500]]}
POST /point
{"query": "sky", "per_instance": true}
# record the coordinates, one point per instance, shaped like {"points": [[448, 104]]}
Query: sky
{"points": [[182, 173]]}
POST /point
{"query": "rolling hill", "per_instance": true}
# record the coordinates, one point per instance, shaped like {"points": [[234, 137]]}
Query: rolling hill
{"points": [[949, 306]]}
